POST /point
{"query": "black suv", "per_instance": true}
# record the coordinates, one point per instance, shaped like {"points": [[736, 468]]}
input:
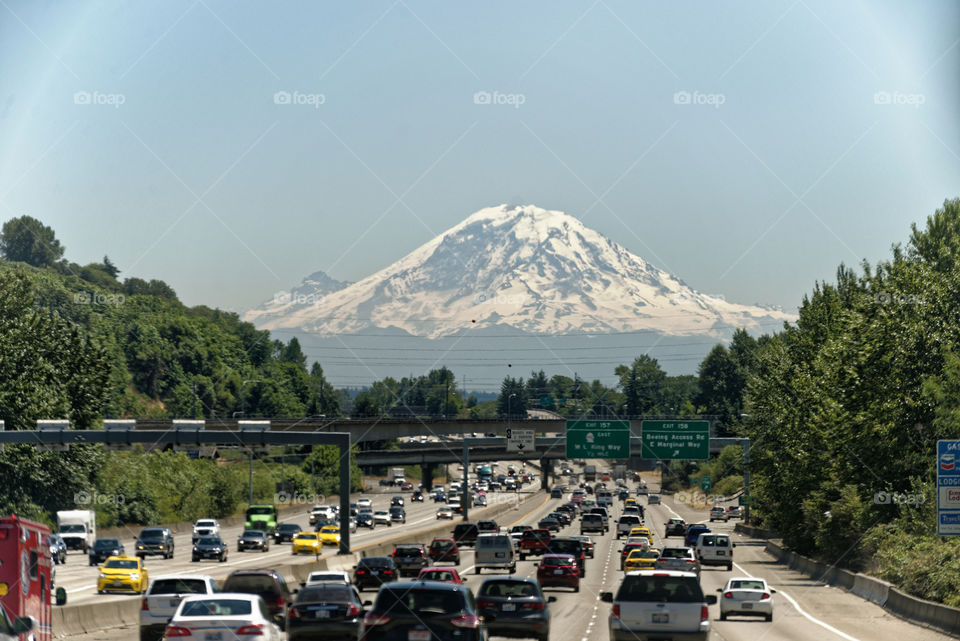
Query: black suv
{"points": [[465, 534], [410, 558], [428, 610], [374, 571], [102, 548], [268, 584], [155, 540]]}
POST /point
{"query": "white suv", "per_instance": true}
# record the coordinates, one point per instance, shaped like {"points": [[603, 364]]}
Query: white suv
{"points": [[659, 604], [205, 527], [164, 595]]}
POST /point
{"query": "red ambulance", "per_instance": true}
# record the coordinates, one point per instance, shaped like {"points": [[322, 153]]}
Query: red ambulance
{"points": [[25, 573]]}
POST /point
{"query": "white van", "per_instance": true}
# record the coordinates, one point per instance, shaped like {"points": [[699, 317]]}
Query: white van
{"points": [[495, 551], [715, 549]]}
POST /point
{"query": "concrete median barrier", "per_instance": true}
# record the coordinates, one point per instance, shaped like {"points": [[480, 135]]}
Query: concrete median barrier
{"points": [[871, 589]]}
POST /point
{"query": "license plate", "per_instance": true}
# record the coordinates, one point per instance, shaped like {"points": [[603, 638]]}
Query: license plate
{"points": [[558, 571], [660, 618], [418, 635], [323, 614], [720, 553], [374, 572], [500, 555], [213, 636], [747, 606], [509, 607], [118, 584]]}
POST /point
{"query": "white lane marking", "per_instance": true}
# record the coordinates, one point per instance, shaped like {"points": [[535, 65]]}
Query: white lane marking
{"points": [[796, 606]]}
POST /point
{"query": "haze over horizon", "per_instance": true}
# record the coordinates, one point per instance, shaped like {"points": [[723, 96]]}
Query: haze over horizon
{"points": [[231, 152]]}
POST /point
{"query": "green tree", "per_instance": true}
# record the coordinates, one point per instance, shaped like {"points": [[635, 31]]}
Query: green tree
{"points": [[642, 384], [26, 239], [512, 401]]}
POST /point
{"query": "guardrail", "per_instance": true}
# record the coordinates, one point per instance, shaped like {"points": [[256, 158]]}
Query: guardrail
{"points": [[913, 609], [94, 617]]}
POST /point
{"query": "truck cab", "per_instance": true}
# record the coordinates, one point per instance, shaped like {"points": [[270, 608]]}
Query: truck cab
{"points": [[261, 517], [26, 576], [77, 528]]}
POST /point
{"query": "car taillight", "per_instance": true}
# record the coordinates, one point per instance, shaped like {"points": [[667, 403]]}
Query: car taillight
{"points": [[486, 604], [766, 595], [728, 595], [361, 571], [252, 630], [176, 631], [536, 605], [470, 621], [353, 611], [616, 611], [388, 571], [690, 560], [372, 618], [704, 613], [144, 607], [293, 613]]}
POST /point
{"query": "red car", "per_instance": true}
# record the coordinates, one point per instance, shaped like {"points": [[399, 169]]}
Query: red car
{"points": [[447, 575], [558, 570], [444, 551], [534, 541], [406, 486]]}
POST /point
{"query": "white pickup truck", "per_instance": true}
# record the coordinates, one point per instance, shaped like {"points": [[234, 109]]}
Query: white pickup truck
{"points": [[205, 527]]}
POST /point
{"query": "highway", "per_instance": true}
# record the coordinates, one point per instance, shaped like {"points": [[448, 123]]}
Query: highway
{"points": [[804, 610]]}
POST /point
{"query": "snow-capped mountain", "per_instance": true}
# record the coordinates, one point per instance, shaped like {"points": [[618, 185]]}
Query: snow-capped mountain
{"points": [[521, 267]]}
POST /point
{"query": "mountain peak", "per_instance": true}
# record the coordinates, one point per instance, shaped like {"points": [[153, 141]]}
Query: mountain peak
{"points": [[521, 266]]}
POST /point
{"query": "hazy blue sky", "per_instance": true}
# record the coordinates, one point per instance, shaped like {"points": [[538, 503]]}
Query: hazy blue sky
{"points": [[791, 162]]}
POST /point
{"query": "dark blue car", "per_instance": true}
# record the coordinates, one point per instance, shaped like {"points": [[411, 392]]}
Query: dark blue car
{"points": [[694, 530]]}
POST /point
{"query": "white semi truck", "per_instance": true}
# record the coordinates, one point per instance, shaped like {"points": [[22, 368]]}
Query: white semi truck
{"points": [[77, 528]]}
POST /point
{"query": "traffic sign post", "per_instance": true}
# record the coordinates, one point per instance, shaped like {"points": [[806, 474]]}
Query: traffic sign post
{"points": [[668, 440], [948, 488], [745, 500], [598, 439], [520, 440]]}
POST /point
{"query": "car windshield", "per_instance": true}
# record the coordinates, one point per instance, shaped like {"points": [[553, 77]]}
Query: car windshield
{"points": [[209, 540], [260, 511], [252, 534], [746, 585], [206, 523], [251, 584], [442, 545], [509, 588], [553, 561], [326, 594], [289, 527], [675, 553], [307, 536], [375, 562], [151, 534], [675, 589], [107, 543], [437, 575], [407, 602], [68, 529], [179, 586], [216, 607], [117, 564]]}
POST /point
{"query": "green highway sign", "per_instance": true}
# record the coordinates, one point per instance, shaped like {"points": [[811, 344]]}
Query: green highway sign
{"points": [[705, 484], [676, 439], [745, 500], [598, 439]]}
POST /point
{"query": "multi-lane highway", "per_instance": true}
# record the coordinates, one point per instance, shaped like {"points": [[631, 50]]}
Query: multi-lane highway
{"points": [[804, 609]]}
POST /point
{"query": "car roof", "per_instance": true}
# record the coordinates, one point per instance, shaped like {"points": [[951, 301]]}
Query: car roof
{"points": [[510, 579], [167, 577], [661, 573], [245, 596], [421, 583]]}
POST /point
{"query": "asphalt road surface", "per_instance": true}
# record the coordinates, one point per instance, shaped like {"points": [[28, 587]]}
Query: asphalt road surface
{"points": [[804, 610]]}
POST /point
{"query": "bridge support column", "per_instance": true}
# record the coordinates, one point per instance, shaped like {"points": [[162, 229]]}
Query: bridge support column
{"points": [[546, 471], [426, 476]]}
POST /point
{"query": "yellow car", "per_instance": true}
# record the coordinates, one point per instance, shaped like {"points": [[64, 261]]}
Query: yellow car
{"points": [[305, 543], [123, 574], [629, 502], [642, 531], [641, 560], [330, 535]]}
